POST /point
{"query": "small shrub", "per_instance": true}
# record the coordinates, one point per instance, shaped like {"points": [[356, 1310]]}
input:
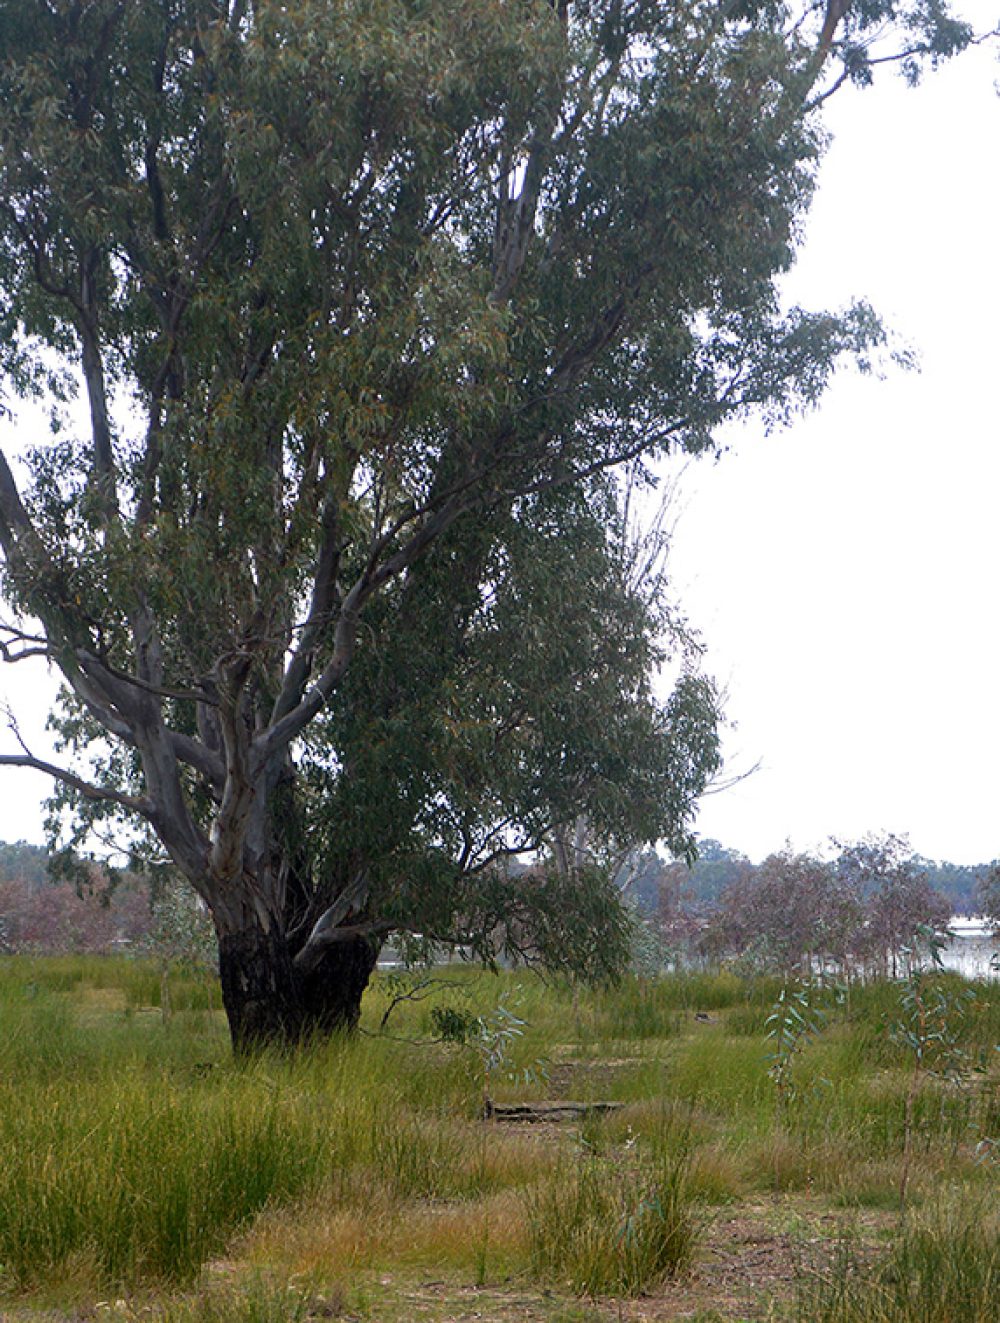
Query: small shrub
{"points": [[453, 1024], [796, 1018], [929, 1028]]}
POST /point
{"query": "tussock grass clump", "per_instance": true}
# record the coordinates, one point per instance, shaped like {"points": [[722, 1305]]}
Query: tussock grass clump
{"points": [[725, 1075], [147, 1179], [482, 1238], [942, 1270], [719, 990], [48, 1036], [638, 1008], [718, 1175], [610, 1230], [748, 1021], [434, 1158]]}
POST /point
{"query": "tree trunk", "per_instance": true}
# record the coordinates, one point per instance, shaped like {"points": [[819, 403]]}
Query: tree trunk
{"points": [[269, 1003]]}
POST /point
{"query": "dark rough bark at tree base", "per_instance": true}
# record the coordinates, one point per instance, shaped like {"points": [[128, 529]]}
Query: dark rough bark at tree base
{"points": [[269, 1003]]}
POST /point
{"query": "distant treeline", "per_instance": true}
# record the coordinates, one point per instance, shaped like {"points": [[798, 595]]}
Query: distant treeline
{"points": [[857, 910], [22, 862], [718, 867], [862, 911], [56, 918], [84, 910]]}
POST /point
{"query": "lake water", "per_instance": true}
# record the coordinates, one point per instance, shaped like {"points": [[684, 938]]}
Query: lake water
{"points": [[972, 949]]}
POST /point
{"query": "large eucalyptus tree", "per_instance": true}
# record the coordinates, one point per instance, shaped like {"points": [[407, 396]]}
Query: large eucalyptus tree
{"points": [[369, 301]]}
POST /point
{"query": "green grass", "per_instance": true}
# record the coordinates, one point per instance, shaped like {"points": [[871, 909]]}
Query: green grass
{"points": [[944, 1268], [146, 1176], [258, 1300], [135, 1152], [137, 980], [605, 1229]]}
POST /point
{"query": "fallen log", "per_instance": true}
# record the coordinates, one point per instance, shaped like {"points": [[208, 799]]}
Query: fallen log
{"points": [[529, 1113]]}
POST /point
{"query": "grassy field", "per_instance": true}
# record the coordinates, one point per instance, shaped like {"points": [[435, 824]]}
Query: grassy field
{"points": [[145, 1175]]}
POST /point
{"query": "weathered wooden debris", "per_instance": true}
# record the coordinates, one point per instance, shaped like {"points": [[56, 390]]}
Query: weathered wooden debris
{"points": [[529, 1113]]}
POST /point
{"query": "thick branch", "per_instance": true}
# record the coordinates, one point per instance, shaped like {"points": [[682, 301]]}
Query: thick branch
{"points": [[15, 525], [324, 597], [170, 815], [312, 953], [193, 753], [282, 732], [93, 375], [38, 576], [836, 10], [238, 788], [516, 215]]}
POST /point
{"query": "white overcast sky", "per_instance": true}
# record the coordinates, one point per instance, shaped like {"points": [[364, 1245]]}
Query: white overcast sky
{"points": [[843, 573]]}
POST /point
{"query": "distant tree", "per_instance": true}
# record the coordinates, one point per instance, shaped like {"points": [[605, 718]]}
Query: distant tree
{"points": [[957, 882], [56, 919], [715, 868], [898, 896], [731, 929], [987, 896], [671, 897], [679, 918], [639, 880], [688, 895], [842, 920], [711, 851], [790, 913]]}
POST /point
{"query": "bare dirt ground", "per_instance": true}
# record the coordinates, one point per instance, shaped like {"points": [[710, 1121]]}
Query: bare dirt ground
{"points": [[750, 1263]]}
